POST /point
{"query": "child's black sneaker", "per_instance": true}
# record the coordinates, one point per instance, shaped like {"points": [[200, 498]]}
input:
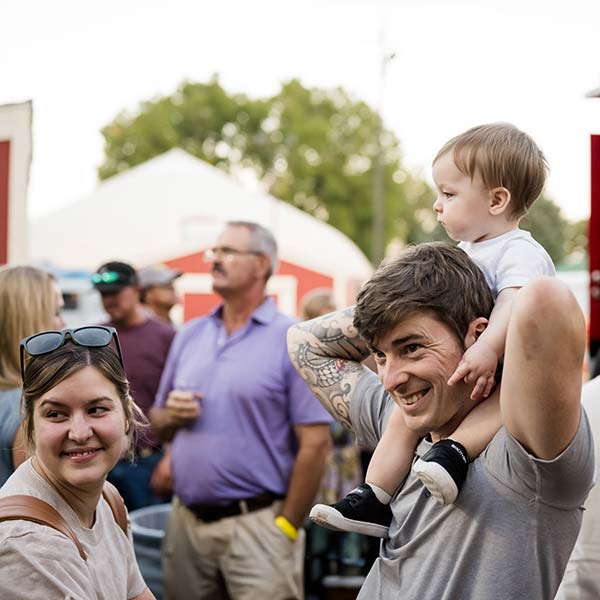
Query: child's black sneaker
{"points": [[443, 470], [360, 511]]}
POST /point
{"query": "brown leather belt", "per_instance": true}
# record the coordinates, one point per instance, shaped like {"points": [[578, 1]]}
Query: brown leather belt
{"points": [[208, 513]]}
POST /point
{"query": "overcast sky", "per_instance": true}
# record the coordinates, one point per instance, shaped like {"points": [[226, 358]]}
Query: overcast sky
{"points": [[458, 63]]}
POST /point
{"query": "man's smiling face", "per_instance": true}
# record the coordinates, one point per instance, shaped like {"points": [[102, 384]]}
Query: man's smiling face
{"points": [[414, 360]]}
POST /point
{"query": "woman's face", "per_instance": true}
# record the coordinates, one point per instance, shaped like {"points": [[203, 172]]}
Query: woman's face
{"points": [[79, 430]]}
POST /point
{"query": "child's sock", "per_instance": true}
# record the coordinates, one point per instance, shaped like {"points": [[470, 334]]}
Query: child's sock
{"points": [[380, 493]]}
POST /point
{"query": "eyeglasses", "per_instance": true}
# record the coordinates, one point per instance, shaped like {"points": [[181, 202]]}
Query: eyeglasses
{"points": [[227, 253], [96, 336]]}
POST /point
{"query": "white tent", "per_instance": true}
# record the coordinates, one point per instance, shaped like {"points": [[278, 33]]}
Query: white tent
{"points": [[176, 204]]}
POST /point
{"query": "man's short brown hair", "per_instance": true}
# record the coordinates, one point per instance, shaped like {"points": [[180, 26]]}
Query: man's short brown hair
{"points": [[504, 156], [435, 278]]}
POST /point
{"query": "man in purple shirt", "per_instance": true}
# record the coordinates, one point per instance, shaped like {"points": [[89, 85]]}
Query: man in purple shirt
{"points": [[249, 440], [145, 342]]}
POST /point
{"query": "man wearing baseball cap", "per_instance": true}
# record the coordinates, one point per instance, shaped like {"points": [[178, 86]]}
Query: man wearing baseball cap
{"points": [[158, 292], [145, 342]]}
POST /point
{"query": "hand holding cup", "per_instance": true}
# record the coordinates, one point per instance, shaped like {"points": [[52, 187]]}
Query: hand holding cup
{"points": [[184, 406]]}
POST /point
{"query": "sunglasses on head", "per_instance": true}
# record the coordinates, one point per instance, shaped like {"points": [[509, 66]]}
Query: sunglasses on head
{"points": [[94, 336]]}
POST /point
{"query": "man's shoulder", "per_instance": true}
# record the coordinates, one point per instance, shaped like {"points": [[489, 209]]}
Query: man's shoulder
{"points": [[151, 331], [520, 239], [192, 328], [370, 409], [160, 326], [150, 323], [283, 321], [271, 319], [562, 482]]}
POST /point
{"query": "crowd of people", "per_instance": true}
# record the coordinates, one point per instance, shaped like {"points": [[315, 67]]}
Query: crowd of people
{"points": [[460, 365]]}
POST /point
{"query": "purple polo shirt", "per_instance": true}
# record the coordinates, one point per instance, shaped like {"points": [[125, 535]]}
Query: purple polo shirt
{"points": [[243, 443]]}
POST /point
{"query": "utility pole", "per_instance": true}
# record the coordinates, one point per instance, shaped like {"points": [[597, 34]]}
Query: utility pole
{"points": [[377, 242]]}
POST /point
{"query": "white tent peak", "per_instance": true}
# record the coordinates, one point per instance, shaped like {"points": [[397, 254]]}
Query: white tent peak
{"points": [[170, 162], [176, 204]]}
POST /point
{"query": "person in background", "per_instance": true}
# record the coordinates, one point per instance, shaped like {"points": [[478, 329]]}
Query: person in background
{"points": [[78, 420], [30, 301], [158, 295], [316, 303], [581, 581], [158, 292], [145, 341], [250, 440]]}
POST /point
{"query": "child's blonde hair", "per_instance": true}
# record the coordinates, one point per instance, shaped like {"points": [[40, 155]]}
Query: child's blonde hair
{"points": [[504, 156]]}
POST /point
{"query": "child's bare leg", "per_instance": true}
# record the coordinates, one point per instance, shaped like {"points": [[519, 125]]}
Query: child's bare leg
{"points": [[392, 458], [444, 468], [366, 508], [479, 427]]}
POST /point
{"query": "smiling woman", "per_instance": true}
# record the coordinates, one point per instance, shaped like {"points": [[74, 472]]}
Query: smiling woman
{"points": [[78, 421]]}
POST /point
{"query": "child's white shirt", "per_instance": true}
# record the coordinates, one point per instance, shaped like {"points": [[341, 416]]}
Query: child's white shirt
{"points": [[510, 260]]}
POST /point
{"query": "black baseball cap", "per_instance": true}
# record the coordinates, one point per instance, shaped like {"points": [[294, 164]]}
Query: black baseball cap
{"points": [[112, 277]]}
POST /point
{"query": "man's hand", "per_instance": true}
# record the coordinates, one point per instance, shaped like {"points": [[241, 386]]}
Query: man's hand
{"points": [[184, 407], [180, 409], [478, 365]]}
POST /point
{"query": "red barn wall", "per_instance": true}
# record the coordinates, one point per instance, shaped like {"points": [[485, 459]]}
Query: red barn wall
{"points": [[594, 246], [4, 178]]}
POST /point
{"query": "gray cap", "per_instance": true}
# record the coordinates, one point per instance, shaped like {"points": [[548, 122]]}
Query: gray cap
{"points": [[157, 275]]}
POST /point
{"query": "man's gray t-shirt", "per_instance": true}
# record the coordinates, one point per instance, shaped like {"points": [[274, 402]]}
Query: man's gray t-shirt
{"points": [[509, 534]]}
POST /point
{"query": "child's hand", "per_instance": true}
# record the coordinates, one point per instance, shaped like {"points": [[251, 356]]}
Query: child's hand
{"points": [[478, 364]]}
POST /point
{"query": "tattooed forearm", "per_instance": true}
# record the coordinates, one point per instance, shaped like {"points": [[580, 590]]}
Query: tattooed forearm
{"points": [[327, 353], [335, 336]]}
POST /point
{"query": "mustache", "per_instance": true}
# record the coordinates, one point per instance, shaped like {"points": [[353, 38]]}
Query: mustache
{"points": [[217, 268]]}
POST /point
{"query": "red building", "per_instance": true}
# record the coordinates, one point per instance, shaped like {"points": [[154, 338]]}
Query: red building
{"points": [[594, 248], [15, 159]]}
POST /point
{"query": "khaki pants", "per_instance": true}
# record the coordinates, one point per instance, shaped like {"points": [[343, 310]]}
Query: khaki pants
{"points": [[246, 557]]}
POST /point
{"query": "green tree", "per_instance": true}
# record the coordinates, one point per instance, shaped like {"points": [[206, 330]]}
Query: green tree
{"points": [[547, 225], [576, 245], [314, 148]]}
